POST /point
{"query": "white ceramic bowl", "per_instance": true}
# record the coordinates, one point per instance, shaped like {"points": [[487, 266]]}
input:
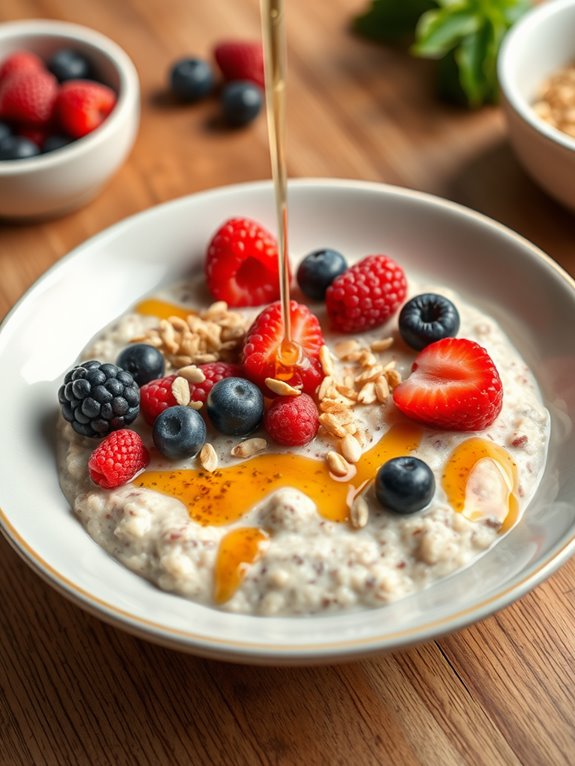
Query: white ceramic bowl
{"points": [[60, 181], [542, 42], [435, 241]]}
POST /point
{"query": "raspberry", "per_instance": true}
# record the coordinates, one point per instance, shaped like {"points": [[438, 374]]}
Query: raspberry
{"points": [[98, 398], [28, 97], [366, 295], [292, 420], [118, 459], [242, 264], [214, 372], [82, 106], [156, 396], [20, 61], [241, 60]]}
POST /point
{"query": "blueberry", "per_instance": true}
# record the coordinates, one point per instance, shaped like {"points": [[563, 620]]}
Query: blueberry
{"points": [[17, 148], [68, 64], [426, 319], [179, 432], [241, 102], [55, 142], [5, 131], [191, 79], [145, 362], [318, 270], [235, 406], [404, 485]]}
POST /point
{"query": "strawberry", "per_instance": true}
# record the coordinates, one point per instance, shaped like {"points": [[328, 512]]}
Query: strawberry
{"points": [[241, 60], [18, 62], [28, 96], [263, 339], [454, 384], [242, 264], [83, 105]]}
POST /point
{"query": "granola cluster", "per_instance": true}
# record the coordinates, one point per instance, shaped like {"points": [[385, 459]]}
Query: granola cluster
{"points": [[556, 100]]}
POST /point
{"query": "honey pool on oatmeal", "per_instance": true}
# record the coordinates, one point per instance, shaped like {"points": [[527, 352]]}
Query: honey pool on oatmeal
{"points": [[272, 531]]}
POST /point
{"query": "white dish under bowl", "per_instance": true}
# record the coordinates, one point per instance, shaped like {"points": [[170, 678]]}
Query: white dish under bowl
{"points": [[541, 43], [503, 274]]}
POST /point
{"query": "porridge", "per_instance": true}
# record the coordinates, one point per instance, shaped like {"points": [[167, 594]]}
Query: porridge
{"points": [[252, 524]]}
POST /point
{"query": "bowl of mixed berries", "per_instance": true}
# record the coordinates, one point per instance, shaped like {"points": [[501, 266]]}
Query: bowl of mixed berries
{"points": [[69, 112]]}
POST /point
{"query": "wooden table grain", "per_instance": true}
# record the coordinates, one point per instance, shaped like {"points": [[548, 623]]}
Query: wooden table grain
{"points": [[75, 691]]}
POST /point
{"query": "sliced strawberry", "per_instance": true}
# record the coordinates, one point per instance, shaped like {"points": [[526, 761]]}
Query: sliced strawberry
{"points": [[454, 384], [263, 339], [241, 60], [242, 264]]}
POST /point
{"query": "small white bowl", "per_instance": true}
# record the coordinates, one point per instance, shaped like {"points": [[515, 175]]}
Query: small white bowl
{"points": [[542, 42], [60, 181]]}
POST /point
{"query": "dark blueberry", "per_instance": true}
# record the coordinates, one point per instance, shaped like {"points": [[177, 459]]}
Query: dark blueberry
{"points": [[17, 148], [318, 270], [179, 432], [68, 64], [235, 406], [404, 485], [98, 398], [4, 131], [241, 102], [55, 142], [144, 362], [191, 79], [427, 318]]}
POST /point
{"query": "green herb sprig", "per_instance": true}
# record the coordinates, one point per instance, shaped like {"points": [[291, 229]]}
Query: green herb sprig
{"points": [[463, 35]]}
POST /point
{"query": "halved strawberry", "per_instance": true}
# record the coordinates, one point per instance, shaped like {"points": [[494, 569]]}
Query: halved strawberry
{"points": [[242, 264], [454, 384], [263, 339]]}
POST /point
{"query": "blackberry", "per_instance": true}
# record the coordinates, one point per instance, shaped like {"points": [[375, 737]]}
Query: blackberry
{"points": [[98, 398]]}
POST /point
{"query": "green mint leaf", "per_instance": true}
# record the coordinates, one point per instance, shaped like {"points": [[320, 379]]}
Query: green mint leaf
{"points": [[439, 31], [391, 20]]}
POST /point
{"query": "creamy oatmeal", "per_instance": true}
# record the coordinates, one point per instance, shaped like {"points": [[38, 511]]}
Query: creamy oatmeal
{"points": [[302, 552]]}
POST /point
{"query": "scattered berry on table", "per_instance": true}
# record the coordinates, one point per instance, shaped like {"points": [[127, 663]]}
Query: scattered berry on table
{"points": [[404, 485], [241, 60], [68, 64], [263, 339], [145, 362], [118, 458], [56, 141], [82, 106], [179, 432], [98, 398], [454, 384], [28, 97], [17, 148], [426, 318], [318, 270], [214, 372], [292, 420], [20, 61], [242, 264], [191, 79], [235, 406], [241, 102], [155, 397], [366, 295]]}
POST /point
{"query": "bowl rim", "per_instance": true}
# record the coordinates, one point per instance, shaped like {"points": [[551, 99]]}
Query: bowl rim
{"points": [[526, 25], [251, 652], [127, 97]]}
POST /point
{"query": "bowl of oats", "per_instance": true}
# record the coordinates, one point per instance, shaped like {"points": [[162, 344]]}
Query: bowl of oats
{"points": [[537, 76]]}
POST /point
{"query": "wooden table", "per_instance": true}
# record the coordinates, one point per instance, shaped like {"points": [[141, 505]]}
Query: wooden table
{"points": [[75, 691]]}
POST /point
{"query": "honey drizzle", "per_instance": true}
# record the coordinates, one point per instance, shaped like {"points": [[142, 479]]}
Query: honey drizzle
{"points": [[238, 550], [161, 309]]}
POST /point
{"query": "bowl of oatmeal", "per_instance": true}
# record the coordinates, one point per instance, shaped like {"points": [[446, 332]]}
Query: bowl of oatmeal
{"points": [[536, 70], [144, 556]]}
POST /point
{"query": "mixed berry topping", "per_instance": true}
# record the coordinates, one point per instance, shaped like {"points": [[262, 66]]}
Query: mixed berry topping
{"points": [[404, 485], [179, 432], [318, 270], [118, 458], [143, 361], [292, 420], [427, 318], [235, 406]]}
